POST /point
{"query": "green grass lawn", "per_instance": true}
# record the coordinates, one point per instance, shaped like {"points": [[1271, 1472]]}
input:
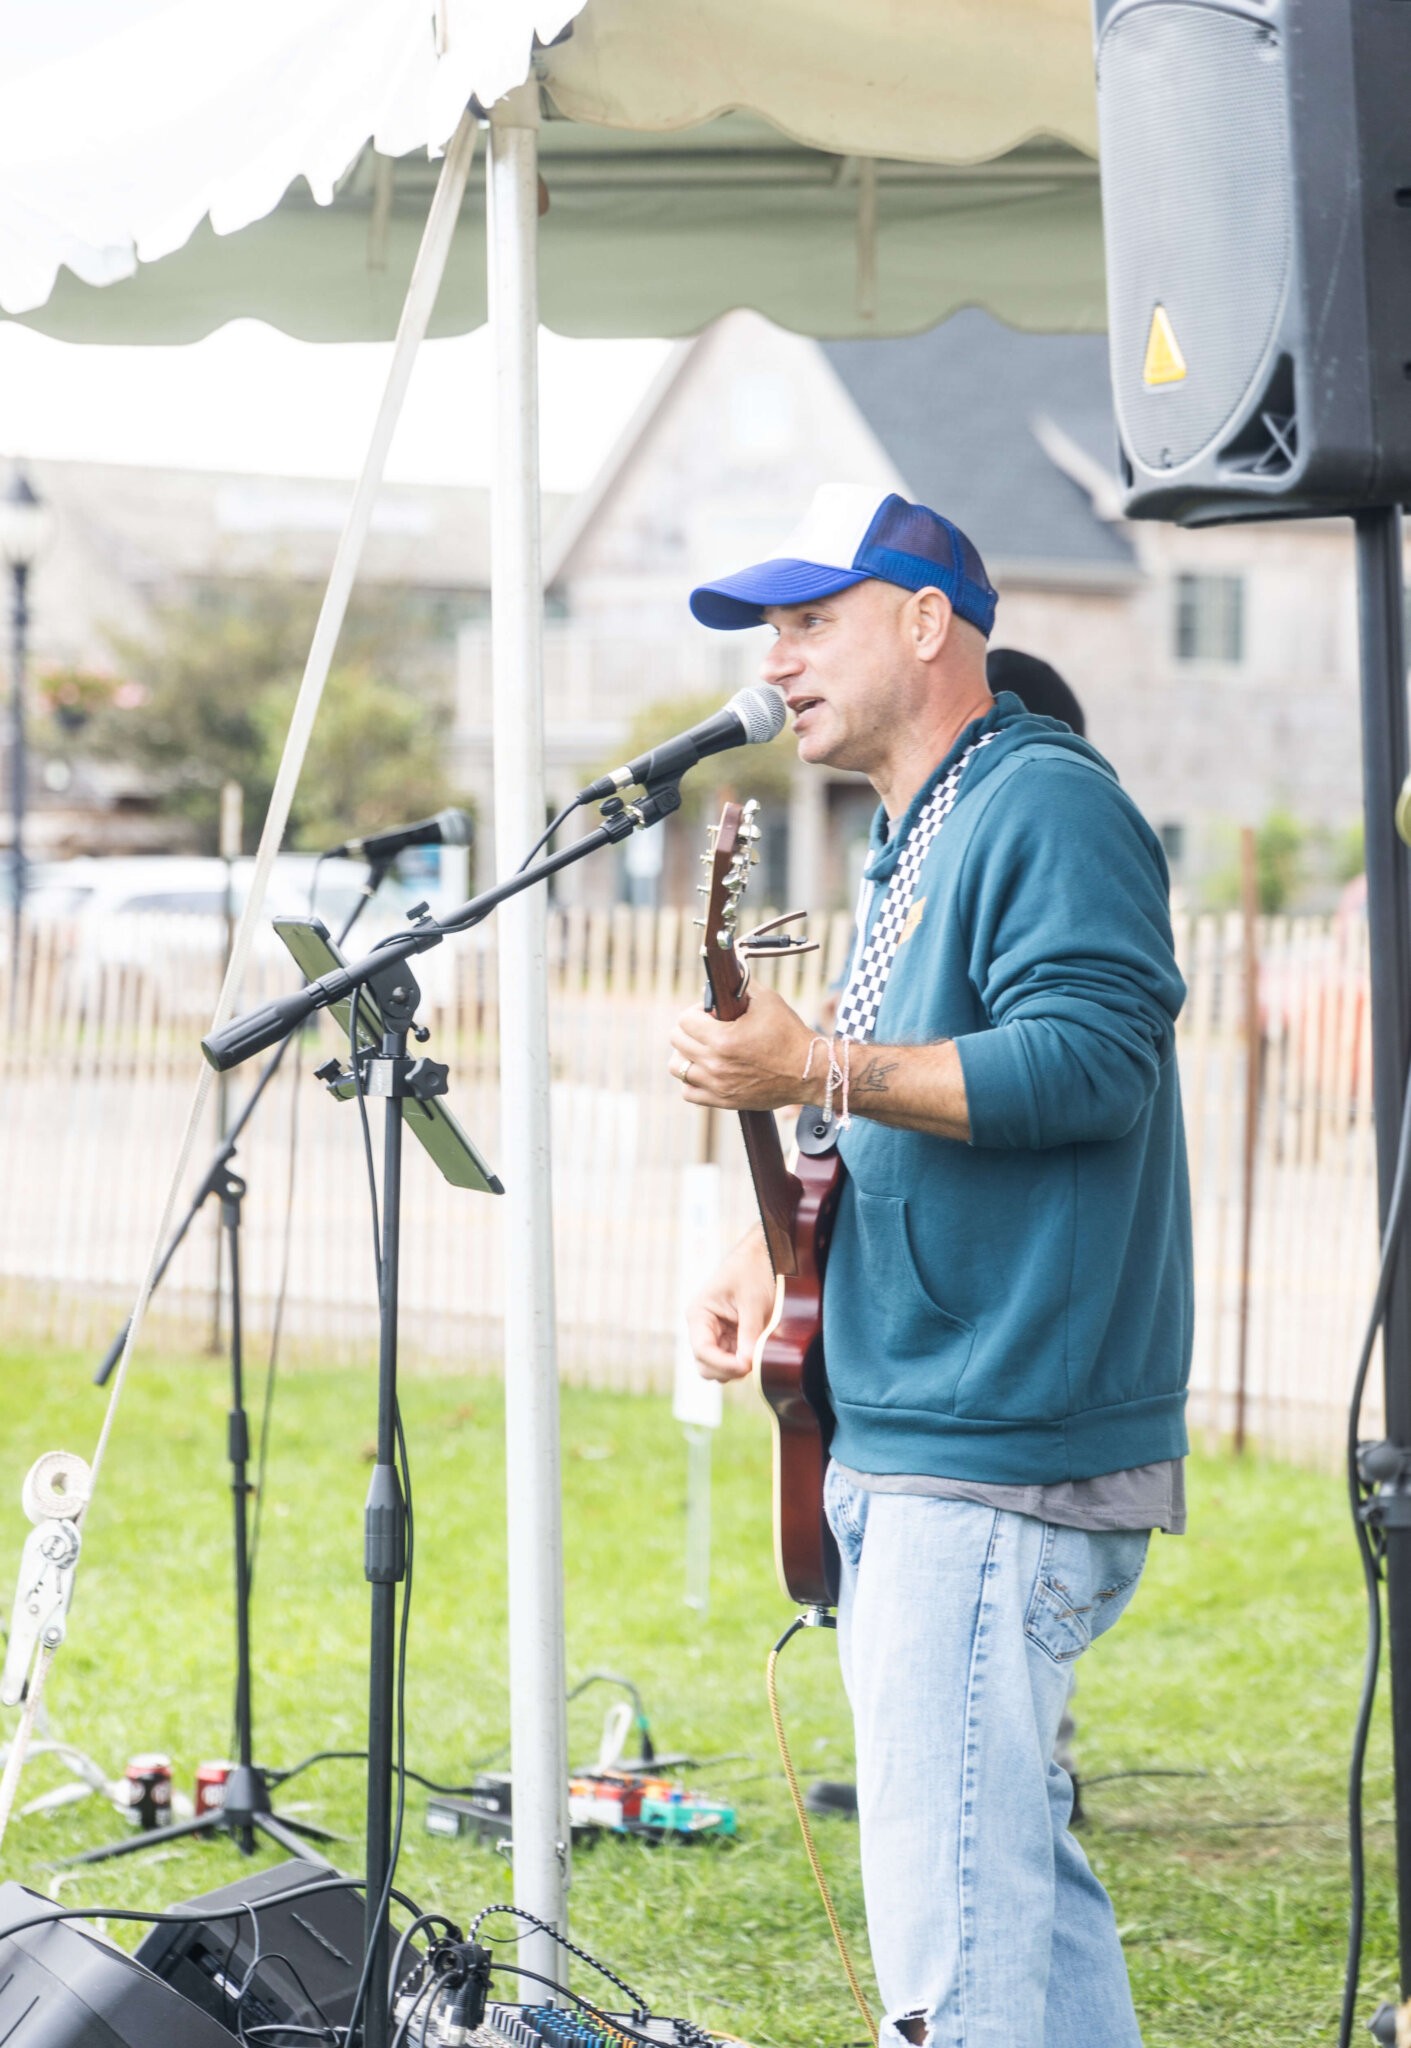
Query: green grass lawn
{"points": [[1239, 1661]]}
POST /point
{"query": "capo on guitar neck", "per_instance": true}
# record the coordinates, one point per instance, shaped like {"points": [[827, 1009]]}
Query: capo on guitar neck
{"points": [[770, 939]]}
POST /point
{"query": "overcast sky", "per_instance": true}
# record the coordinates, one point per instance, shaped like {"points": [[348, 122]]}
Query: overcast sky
{"points": [[249, 398]]}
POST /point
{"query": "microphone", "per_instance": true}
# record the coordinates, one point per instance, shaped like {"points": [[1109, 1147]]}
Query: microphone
{"points": [[447, 828], [750, 717]]}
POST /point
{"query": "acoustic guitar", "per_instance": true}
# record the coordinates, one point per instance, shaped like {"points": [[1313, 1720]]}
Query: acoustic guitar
{"points": [[796, 1208]]}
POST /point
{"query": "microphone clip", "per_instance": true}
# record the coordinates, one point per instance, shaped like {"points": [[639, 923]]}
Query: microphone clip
{"points": [[658, 801]]}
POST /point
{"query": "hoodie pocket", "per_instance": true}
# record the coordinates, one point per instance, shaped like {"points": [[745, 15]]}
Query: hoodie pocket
{"points": [[915, 1351]]}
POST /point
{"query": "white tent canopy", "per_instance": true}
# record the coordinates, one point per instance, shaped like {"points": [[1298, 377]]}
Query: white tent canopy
{"points": [[842, 169]]}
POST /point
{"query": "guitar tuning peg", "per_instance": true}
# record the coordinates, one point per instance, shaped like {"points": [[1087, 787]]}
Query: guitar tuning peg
{"points": [[699, 923]]}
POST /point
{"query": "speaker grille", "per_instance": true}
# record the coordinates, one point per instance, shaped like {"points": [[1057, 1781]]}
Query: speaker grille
{"points": [[1196, 193]]}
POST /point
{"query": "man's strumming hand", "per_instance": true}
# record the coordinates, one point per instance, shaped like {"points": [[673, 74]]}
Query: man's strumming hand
{"points": [[727, 1319]]}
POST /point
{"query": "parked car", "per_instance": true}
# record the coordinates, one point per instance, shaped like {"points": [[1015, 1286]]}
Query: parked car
{"points": [[166, 915]]}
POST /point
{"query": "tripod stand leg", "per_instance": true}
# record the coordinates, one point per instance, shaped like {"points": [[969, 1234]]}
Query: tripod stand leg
{"points": [[151, 1838], [289, 1834], [308, 1829]]}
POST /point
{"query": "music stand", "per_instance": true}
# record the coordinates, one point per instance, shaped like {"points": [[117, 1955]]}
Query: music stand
{"points": [[427, 1117]]}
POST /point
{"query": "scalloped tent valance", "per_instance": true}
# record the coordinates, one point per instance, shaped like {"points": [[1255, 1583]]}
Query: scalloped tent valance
{"points": [[844, 170]]}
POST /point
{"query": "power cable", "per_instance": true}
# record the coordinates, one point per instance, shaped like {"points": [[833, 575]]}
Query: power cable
{"points": [[532, 1920], [547, 834], [810, 1848]]}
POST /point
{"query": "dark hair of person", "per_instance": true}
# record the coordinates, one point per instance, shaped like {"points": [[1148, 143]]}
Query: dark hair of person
{"points": [[1037, 684]]}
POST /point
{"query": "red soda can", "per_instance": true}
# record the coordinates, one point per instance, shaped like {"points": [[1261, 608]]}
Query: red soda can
{"points": [[210, 1786], [149, 1789]]}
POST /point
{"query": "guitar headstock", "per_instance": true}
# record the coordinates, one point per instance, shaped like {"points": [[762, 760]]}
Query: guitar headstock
{"points": [[734, 849]]}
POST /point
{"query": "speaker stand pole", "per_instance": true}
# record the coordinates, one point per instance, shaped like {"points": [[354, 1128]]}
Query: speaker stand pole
{"points": [[1384, 767]]}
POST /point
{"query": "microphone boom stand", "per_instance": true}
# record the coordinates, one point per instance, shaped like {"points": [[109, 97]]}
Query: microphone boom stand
{"points": [[246, 1806], [392, 1077]]}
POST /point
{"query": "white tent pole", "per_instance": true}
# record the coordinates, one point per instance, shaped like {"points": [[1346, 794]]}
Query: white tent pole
{"points": [[538, 1719]]}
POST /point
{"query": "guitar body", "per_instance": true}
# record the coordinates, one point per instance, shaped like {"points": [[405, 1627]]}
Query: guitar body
{"points": [[796, 1213], [794, 1383]]}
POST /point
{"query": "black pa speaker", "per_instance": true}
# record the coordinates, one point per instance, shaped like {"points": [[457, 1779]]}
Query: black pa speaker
{"points": [[1256, 191], [63, 1987], [285, 1963]]}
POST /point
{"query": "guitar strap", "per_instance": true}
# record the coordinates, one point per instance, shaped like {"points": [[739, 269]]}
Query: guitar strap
{"points": [[872, 962]]}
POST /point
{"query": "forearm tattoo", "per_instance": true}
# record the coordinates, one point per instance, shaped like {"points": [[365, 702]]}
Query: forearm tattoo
{"points": [[873, 1080]]}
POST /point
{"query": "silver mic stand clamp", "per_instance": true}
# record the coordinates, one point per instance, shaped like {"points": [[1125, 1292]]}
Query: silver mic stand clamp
{"points": [[55, 1493]]}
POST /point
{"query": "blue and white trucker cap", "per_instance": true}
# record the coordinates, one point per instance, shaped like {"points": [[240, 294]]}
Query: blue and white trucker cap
{"points": [[847, 535]]}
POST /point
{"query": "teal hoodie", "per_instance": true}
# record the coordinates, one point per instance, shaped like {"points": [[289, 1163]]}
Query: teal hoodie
{"points": [[1018, 1309]]}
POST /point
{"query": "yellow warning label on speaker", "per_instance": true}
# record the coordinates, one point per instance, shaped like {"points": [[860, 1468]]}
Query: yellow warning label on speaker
{"points": [[1164, 362]]}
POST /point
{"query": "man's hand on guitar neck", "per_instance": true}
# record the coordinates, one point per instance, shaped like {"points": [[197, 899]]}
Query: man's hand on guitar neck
{"points": [[757, 1061], [727, 1320]]}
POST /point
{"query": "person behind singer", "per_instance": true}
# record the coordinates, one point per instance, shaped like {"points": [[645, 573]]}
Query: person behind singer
{"points": [[1007, 1304]]}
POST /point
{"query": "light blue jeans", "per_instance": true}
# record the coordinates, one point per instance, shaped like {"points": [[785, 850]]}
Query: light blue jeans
{"points": [[958, 1626]]}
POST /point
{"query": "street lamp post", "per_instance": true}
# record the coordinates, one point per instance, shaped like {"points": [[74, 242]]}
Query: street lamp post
{"points": [[24, 526]]}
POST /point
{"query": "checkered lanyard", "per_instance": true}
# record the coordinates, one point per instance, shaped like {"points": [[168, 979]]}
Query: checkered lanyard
{"points": [[867, 984]]}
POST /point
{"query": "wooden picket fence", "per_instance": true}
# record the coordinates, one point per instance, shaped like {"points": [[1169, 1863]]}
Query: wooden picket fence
{"points": [[100, 1059]]}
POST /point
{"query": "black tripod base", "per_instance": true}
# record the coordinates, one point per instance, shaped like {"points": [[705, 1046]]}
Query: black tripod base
{"points": [[246, 1810]]}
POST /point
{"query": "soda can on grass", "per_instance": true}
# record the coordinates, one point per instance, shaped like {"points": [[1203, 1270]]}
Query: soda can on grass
{"points": [[149, 1789], [210, 1786]]}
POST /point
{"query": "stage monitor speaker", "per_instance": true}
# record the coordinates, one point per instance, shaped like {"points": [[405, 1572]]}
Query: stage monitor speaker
{"points": [[311, 1951], [1256, 191], [62, 1986]]}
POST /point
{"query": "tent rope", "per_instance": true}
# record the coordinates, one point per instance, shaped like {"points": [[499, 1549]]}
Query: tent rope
{"points": [[421, 296]]}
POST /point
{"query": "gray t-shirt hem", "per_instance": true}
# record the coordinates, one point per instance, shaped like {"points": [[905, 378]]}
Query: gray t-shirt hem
{"points": [[1143, 1497]]}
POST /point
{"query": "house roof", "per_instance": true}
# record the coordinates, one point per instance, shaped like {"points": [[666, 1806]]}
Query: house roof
{"points": [[155, 524], [963, 411]]}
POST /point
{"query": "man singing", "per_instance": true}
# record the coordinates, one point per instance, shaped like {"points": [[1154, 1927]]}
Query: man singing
{"points": [[1007, 1306]]}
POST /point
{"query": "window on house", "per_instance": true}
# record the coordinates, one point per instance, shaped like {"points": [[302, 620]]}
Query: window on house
{"points": [[1173, 841], [1210, 618]]}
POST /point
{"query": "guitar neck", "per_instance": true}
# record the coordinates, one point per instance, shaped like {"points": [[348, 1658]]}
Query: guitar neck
{"points": [[776, 1189]]}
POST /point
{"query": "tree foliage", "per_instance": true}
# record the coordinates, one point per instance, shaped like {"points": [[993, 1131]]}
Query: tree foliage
{"points": [[206, 698], [1282, 845]]}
